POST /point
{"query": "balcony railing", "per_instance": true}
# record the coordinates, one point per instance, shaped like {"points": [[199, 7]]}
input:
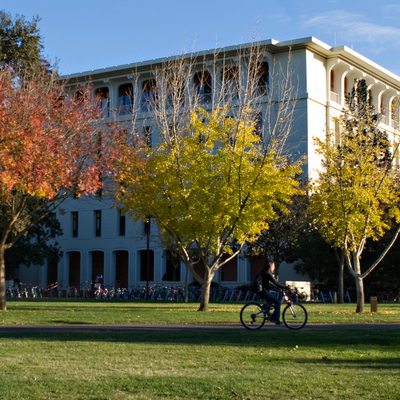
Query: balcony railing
{"points": [[334, 97]]}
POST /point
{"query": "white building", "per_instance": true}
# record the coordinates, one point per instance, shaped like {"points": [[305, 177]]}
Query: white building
{"points": [[98, 240]]}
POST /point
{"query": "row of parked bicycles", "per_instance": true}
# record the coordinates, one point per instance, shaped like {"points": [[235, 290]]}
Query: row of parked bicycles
{"points": [[172, 293]]}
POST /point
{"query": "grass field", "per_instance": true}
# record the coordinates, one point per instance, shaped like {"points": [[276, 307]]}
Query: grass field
{"points": [[77, 311], [194, 364]]}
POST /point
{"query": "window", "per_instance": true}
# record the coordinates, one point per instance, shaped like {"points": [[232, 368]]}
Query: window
{"points": [[125, 98], [332, 81], [74, 223], [146, 266], [263, 79], [97, 222], [202, 87], [122, 222], [171, 267], [102, 96], [175, 92], [230, 83], [53, 221], [149, 95]]}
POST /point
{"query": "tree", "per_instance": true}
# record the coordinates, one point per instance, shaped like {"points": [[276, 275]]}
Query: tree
{"points": [[280, 241], [20, 43], [52, 144], [356, 195], [33, 247], [211, 181], [210, 189]]}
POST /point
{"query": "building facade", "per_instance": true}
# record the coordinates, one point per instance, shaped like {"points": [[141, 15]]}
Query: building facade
{"points": [[99, 240]]}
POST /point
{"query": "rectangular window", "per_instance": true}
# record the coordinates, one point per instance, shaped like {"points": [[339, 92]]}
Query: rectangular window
{"points": [[97, 222], [74, 223], [125, 98], [149, 95], [230, 83], [263, 79], [102, 96], [53, 220], [122, 223], [202, 86]]}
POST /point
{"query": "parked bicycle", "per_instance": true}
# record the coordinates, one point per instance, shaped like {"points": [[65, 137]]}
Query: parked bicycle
{"points": [[254, 315]]}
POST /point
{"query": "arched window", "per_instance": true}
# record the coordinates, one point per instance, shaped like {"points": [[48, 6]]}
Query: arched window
{"points": [[102, 96], [230, 82], [263, 79], [332, 79], [175, 92], [125, 98], [149, 95], [202, 86]]}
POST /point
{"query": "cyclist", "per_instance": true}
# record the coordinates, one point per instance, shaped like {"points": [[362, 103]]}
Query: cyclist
{"points": [[267, 275]]}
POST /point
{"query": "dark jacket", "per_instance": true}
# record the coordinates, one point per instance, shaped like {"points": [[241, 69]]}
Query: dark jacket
{"points": [[268, 279]]}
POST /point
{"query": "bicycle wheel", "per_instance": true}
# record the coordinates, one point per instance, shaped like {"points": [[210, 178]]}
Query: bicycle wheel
{"points": [[252, 316], [294, 316]]}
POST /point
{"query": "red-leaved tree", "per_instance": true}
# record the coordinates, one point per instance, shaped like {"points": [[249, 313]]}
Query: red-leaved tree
{"points": [[52, 144]]}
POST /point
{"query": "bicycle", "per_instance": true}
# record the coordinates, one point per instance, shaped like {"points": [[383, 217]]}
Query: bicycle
{"points": [[254, 315]]}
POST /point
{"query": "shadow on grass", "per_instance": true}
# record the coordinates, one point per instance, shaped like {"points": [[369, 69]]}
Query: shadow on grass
{"points": [[329, 340]]}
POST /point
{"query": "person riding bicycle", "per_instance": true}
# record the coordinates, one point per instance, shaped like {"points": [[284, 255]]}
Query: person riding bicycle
{"points": [[268, 279]]}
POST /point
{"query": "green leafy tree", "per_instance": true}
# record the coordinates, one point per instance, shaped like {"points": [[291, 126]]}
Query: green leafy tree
{"points": [[215, 174], [33, 247], [356, 195], [20, 43], [209, 187], [281, 240]]}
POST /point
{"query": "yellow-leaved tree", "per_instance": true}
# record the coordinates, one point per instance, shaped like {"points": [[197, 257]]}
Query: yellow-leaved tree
{"points": [[207, 188], [356, 196], [212, 168]]}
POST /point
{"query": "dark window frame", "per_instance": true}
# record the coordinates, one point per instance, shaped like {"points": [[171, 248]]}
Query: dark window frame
{"points": [[75, 223], [97, 223]]}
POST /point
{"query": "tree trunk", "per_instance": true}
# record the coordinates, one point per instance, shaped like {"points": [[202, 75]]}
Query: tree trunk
{"points": [[186, 284], [359, 283], [3, 304], [360, 294], [341, 261], [340, 298], [205, 290]]}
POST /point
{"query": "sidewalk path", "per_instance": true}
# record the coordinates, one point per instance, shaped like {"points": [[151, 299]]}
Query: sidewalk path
{"points": [[178, 327]]}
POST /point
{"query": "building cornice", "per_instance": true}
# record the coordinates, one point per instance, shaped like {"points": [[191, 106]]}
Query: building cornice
{"points": [[272, 46]]}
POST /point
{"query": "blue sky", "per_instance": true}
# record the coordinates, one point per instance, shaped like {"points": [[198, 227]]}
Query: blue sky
{"points": [[91, 34]]}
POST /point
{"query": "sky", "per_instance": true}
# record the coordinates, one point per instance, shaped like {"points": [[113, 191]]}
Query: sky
{"points": [[85, 35]]}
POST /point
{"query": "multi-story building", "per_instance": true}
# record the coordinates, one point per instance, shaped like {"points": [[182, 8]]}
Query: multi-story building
{"points": [[99, 239]]}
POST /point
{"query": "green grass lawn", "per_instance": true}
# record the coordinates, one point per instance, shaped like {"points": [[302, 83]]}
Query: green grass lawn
{"points": [[220, 364], [78, 311], [194, 364]]}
